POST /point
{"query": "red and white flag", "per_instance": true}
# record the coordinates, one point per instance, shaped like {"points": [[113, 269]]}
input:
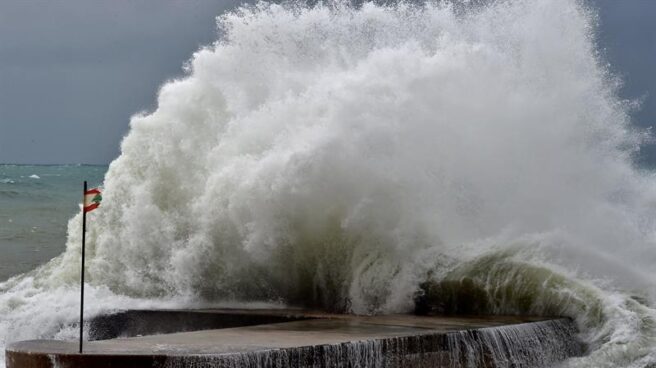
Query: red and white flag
{"points": [[92, 199]]}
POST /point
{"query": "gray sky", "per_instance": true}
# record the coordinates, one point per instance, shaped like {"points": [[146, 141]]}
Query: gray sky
{"points": [[627, 37], [72, 72]]}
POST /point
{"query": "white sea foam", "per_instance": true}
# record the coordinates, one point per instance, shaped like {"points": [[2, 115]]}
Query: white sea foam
{"points": [[337, 157]]}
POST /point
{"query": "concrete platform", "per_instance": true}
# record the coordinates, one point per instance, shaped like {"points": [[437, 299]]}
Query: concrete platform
{"points": [[294, 338]]}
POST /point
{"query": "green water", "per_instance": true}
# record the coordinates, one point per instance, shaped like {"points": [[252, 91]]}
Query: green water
{"points": [[36, 203]]}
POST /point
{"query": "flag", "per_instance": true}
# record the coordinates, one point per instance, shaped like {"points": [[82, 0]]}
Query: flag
{"points": [[92, 198]]}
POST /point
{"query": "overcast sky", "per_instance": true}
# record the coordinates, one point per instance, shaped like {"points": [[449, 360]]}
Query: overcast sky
{"points": [[72, 72]]}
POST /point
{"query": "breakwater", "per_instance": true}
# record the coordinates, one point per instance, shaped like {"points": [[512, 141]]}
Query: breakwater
{"points": [[284, 338]]}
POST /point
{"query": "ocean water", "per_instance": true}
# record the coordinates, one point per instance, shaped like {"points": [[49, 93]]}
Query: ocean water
{"points": [[337, 157], [36, 203]]}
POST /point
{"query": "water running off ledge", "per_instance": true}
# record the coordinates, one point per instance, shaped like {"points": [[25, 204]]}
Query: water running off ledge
{"points": [[296, 338]]}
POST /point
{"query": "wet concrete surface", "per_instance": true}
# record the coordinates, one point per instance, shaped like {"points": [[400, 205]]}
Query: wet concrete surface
{"points": [[281, 330]]}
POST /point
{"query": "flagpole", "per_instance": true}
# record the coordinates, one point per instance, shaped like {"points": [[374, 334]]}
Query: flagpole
{"points": [[84, 230]]}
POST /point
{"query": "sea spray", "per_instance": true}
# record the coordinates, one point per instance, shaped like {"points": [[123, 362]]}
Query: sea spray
{"points": [[339, 157]]}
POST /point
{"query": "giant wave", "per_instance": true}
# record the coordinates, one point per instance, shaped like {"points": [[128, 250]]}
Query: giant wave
{"points": [[338, 157]]}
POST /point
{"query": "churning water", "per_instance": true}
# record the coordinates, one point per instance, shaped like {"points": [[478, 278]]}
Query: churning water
{"points": [[338, 157], [35, 204]]}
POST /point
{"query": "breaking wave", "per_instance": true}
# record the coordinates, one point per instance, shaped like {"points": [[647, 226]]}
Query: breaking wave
{"points": [[341, 157]]}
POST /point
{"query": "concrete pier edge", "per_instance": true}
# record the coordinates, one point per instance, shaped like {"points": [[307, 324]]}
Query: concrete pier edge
{"points": [[293, 338]]}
